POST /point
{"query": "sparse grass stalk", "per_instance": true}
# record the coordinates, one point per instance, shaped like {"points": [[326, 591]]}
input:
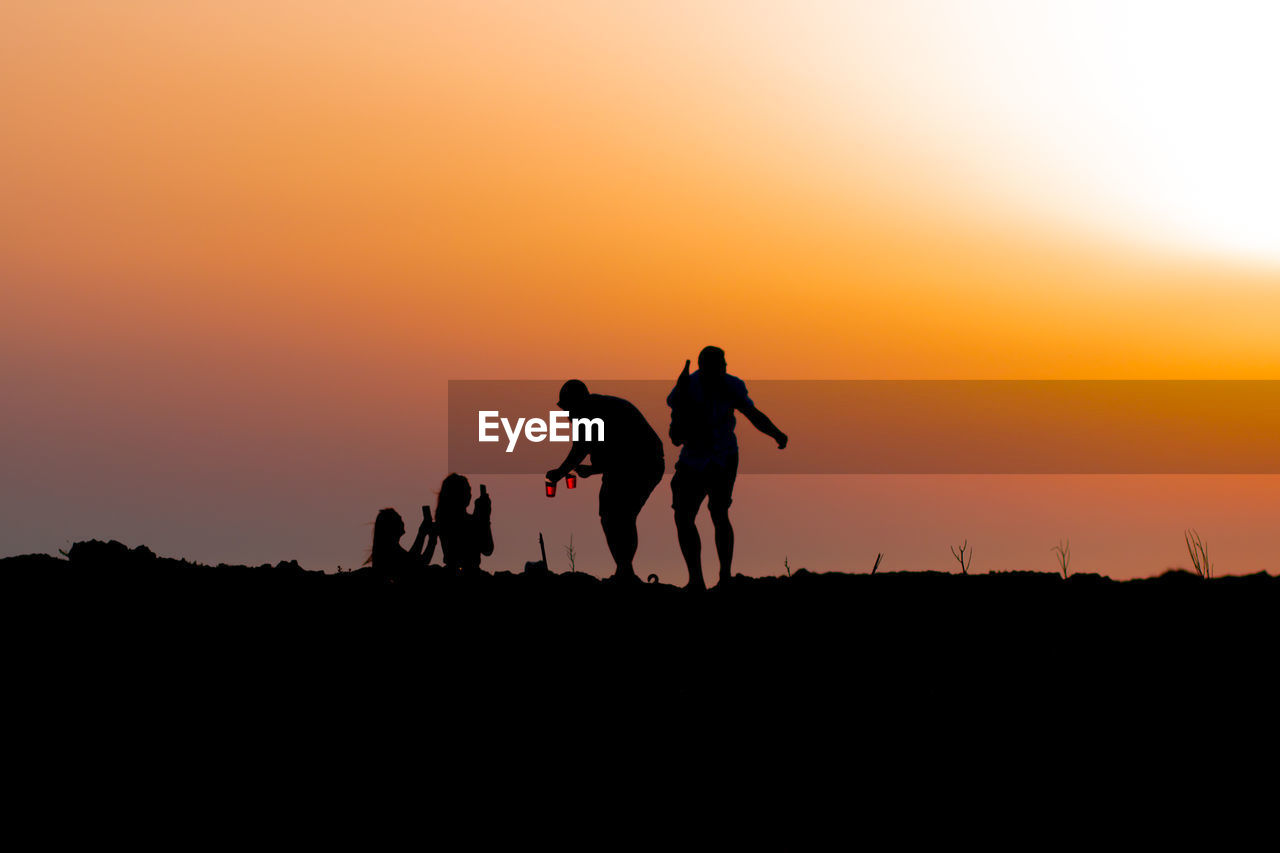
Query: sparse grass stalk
{"points": [[571, 554], [1199, 551], [1063, 550]]}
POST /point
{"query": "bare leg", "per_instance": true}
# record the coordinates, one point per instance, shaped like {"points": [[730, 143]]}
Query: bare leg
{"points": [[724, 542], [623, 540], [691, 547]]}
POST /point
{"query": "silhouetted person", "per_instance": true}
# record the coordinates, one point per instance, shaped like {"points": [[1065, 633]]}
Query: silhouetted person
{"points": [[702, 420], [629, 457], [388, 558], [464, 537]]}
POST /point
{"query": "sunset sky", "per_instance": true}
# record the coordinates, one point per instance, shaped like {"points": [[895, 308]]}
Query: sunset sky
{"points": [[245, 245]]}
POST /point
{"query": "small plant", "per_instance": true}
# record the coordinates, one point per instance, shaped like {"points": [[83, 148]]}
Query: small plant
{"points": [[786, 565], [1063, 550], [960, 557], [1199, 552], [571, 554], [879, 557]]}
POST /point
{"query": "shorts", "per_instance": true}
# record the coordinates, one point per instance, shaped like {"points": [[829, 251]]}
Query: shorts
{"points": [[714, 482], [623, 493]]}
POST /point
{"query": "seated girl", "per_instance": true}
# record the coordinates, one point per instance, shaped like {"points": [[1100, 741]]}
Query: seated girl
{"points": [[464, 537], [388, 558]]}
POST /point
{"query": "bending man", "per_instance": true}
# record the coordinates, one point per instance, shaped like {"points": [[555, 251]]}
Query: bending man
{"points": [[630, 458]]}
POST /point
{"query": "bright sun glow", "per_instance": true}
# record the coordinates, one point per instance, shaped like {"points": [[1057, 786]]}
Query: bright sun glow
{"points": [[1186, 94], [1148, 119]]}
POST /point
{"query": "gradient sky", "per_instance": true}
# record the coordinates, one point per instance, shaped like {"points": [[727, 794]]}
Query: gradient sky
{"points": [[244, 245]]}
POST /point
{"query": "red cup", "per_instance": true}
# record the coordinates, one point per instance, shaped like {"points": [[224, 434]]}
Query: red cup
{"points": [[551, 489], [571, 482]]}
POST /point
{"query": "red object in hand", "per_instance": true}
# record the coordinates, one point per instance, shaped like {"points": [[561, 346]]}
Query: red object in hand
{"points": [[551, 489], [571, 482]]}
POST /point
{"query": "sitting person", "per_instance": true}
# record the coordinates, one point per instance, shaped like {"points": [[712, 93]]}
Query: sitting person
{"points": [[388, 558], [464, 537]]}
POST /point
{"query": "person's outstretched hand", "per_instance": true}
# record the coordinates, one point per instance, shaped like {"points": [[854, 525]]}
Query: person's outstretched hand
{"points": [[782, 441], [427, 524], [555, 475], [585, 470]]}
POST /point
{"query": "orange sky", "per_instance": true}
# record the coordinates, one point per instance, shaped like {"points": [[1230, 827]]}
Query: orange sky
{"points": [[244, 245]]}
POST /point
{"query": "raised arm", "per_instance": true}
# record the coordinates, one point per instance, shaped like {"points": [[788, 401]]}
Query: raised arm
{"points": [[425, 529], [483, 525], [431, 546]]}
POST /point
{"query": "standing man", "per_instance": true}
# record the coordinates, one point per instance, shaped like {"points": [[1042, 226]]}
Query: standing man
{"points": [[702, 414], [629, 456]]}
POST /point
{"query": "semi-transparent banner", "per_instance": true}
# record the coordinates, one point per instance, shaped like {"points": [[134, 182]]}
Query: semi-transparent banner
{"points": [[912, 426]]}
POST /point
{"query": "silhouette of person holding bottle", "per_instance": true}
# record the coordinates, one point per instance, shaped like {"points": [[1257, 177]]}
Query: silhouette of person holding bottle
{"points": [[702, 422], [465, 537], [388, 559], [630, 459]]}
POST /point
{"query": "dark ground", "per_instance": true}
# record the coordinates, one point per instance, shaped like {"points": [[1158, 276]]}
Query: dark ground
{"points": [[114, 652], [1009, 641]]}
